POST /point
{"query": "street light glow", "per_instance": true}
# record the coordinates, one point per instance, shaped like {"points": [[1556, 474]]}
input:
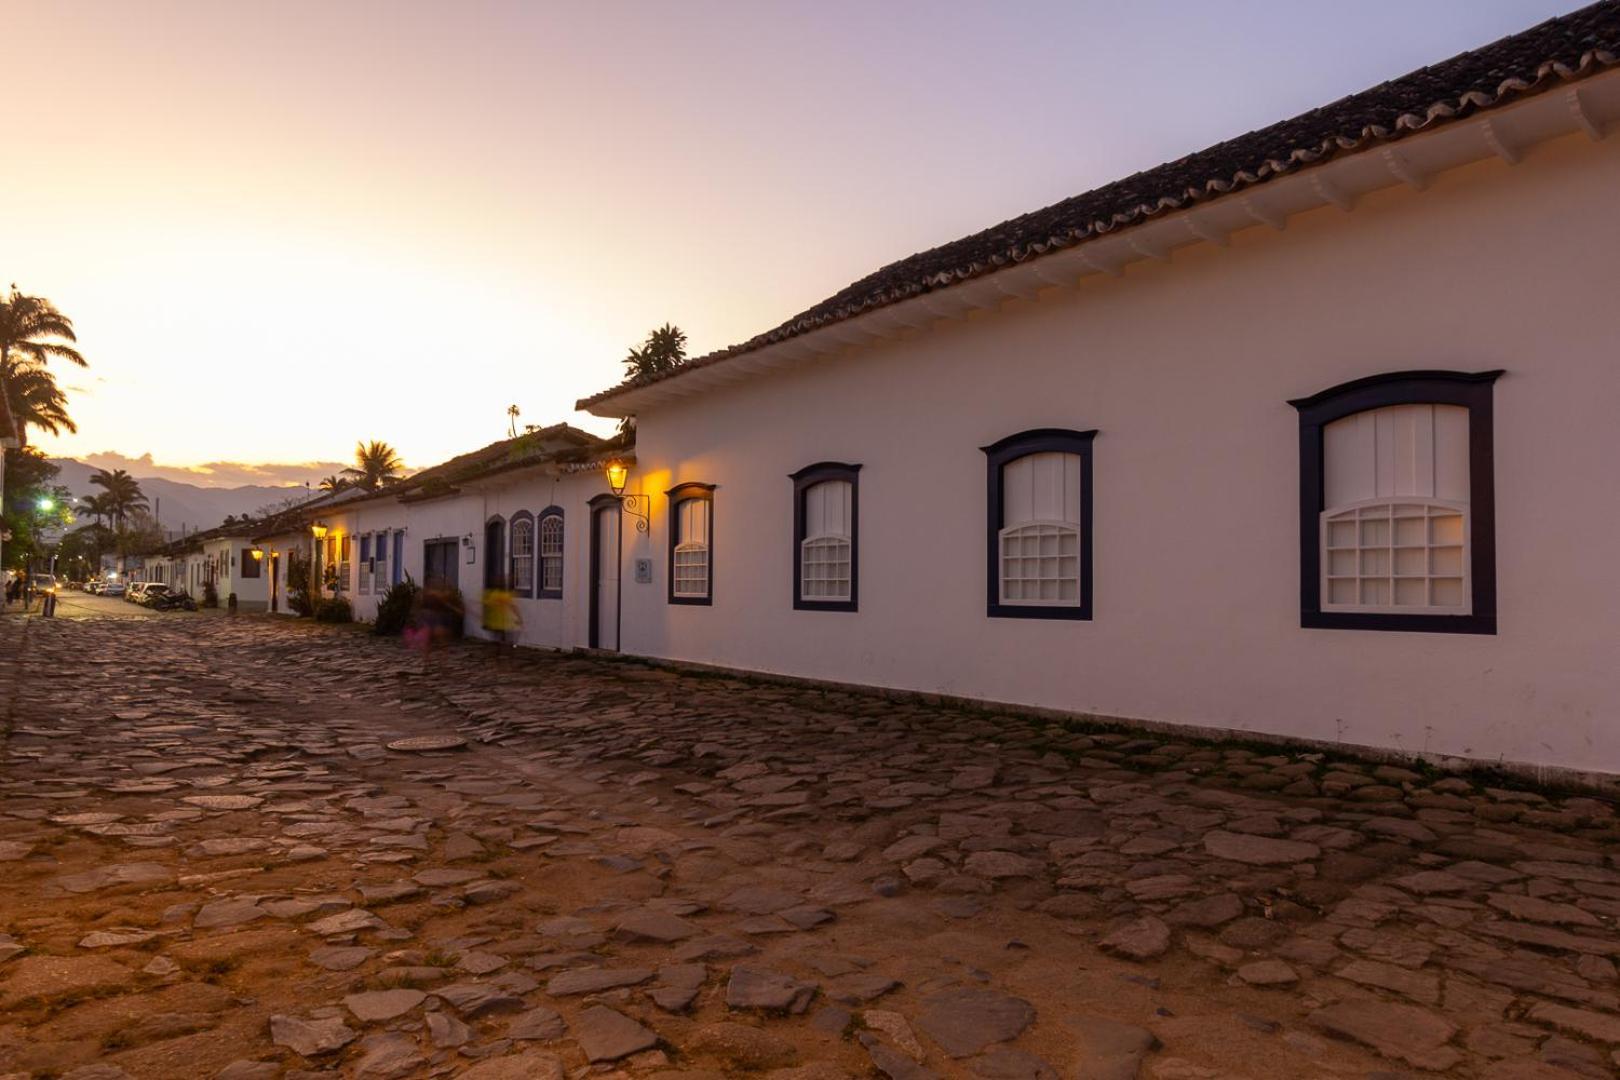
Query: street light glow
{"points": [[47, 504]]}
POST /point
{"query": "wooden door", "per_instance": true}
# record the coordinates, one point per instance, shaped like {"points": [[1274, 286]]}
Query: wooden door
{"points": [[439, 565], [605, 577]]}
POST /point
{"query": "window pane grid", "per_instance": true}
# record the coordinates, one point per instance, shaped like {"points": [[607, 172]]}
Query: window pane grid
{"points": [[551, 553], [1396, 556], [692, 570], [522, 556], [1040, 564], [824, 568]]}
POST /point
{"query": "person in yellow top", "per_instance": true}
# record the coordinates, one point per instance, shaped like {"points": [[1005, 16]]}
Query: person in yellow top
{"points": [[501, 615]]}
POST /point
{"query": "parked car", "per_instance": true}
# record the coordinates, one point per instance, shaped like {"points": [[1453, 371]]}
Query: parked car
{"points": [[133, 593], [111, 588], [93, 587], [45, 583], [153, 592]]}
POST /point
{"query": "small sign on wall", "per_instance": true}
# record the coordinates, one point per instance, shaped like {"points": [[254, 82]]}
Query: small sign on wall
{"points": [[643, 571]]}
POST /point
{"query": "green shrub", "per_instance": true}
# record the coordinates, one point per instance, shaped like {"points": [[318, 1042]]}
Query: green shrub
{"points": [[334, 609], [300, 598], [394, 609]]}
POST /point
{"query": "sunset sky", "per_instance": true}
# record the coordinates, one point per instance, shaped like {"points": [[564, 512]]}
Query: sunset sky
{"points": [[282, 228]]}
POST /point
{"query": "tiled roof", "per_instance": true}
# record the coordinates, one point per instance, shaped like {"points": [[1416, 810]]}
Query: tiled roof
{"points": [[557, 444], [1569, 47], [535, 447]]}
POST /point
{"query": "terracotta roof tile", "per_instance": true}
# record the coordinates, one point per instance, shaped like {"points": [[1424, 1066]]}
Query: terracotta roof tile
{"points": [[1566, 48]]}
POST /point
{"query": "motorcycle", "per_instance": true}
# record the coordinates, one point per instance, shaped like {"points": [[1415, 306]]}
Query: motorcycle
{"points": [[174, 601]]}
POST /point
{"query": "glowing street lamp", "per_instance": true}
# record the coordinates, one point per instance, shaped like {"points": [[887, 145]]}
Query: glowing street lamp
{"points": [[617, 473], [637, 506]]}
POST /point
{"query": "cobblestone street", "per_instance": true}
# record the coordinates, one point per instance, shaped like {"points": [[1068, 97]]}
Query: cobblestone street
{"points": [[212, 865]]}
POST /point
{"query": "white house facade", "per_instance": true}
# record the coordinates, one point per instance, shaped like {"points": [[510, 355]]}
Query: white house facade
{"points": [[520, 515], [1310, 435]]}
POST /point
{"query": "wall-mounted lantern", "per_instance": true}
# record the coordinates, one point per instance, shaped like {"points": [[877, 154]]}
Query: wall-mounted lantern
{"points": [[637, 506], [257, 553], [318, 530], [617, 473]]}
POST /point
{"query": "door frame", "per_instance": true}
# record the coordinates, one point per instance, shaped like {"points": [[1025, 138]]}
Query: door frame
{"points": [[455, 560], [275, 584], [600, 505]]}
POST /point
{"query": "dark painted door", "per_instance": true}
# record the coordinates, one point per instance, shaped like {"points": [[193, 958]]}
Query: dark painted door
{"points": [[605, 576], [439, 564]]}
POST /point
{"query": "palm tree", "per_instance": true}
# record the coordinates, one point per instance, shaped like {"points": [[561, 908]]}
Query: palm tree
{"points": [[123, 494], [34, 398], [511, 420], [662, 352], [375, 464], [32, 333], [334, 483], [97, 506]]}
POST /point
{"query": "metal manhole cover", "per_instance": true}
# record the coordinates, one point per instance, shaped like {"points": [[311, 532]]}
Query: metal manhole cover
{"points": [[418, 743]]}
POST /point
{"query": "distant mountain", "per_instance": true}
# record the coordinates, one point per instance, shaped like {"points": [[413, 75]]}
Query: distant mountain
{"points": [[184, 506]]}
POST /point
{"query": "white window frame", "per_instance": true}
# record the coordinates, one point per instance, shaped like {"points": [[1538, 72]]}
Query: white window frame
{"points": [[1387, 555], [685, 556], [521, 561], [1039, 529], [551, 545]]}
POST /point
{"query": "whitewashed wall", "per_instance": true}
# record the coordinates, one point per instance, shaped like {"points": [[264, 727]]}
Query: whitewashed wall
{"points": [[547, 622], [1186, 370]]}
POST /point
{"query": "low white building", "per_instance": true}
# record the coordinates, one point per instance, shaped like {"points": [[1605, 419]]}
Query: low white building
{"points": [[514, 515], [224, 558], [1309, 434], [1303, 436]]}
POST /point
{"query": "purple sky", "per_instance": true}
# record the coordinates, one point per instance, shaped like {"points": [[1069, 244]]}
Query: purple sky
{"points": [[313, 223]]}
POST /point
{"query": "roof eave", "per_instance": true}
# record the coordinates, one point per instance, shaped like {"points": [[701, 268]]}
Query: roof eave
{"points": [[1584, 101]]}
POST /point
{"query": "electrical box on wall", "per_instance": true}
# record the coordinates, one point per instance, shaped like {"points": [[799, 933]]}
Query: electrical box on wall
{"points": [[643, 571]]}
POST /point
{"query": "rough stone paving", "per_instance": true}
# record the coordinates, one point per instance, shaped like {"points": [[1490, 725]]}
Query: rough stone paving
{"points": [[211, 866]]}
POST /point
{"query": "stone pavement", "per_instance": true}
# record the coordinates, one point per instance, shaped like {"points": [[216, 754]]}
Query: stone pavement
{"points": [[212, 865]]}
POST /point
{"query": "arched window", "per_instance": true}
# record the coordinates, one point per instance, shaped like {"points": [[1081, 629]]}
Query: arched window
{"points": [[1038, 532], [551, 552], [1397, 516], [825, 537], [522, 578], [691, 546], [494, 552]]}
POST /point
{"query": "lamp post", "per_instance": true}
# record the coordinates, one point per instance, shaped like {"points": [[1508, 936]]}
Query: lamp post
{"points": [[637, 506]]}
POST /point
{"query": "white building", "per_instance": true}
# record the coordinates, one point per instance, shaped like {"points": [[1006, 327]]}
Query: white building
{"points": [[515, 514], [1305, 436], [1310, 434], [224, 558]]}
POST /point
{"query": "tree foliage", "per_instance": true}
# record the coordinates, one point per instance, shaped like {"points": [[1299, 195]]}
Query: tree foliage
{"points": [[300, 594], [662, 352], [32, 334], [375, 464], [122, 495], [29, 479], [34, 398]]}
